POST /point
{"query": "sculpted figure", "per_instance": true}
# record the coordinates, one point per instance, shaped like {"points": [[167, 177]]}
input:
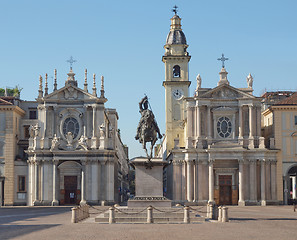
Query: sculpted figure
{"points": [[69, 139], [199, 81], [55, 143], [147, 130], [31, 131], [36, 130], [82, 142], [249, 81], [102, 130]]}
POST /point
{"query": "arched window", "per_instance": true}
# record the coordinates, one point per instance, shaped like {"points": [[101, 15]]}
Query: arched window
{"points": [[176, 71]]}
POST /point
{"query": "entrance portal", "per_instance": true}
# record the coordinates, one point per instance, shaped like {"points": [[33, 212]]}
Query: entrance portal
{"points": [[225, 183], [70, 187]]}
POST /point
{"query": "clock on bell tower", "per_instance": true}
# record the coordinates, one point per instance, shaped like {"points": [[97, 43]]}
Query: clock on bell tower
{"points": [[176, 60]]}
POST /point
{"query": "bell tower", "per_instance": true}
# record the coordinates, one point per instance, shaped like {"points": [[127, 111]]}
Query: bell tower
{"points": [[176, 60]]}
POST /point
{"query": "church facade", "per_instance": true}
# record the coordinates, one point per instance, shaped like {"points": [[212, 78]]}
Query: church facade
{"points": [[213, 139], [71, 149]]}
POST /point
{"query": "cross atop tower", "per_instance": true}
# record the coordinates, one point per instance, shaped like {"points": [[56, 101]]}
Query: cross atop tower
{"points": [[71, 61], [223, 59], [175, 9]]}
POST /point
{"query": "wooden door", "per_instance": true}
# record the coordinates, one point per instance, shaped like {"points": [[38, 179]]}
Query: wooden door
{"points": [[225, 183], [70, 187]]}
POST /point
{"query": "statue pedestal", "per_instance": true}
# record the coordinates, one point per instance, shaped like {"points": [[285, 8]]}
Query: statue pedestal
{"points": [[149, 183]]}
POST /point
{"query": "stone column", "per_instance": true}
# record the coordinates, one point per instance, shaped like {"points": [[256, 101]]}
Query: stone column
{"points": [[41, 180], [94, 138], [200, 184], [251, 126], [110, 181], [211, 181], [268, 180], [190, 181], [31, 179], [209, 125], [95, 181], [190, 127], [240, 122], [196, 181], [83, 183], [273, 180], [241, 201], [176, 180], [263, 183], [253, 180], [199, 142], [184, 180], [55, 181], [36, 197]]}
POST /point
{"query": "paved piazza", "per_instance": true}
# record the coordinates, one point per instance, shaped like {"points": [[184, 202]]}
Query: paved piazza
{"points": [[272, 222]]}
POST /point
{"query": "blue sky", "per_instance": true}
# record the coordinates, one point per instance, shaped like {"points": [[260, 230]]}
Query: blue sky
{"points": [[123, 40]]}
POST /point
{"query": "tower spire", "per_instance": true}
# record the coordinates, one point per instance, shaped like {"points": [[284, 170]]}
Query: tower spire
{"points": [[102, 87], [55, 81], [94, 85], [46, 86], [86, 83], [40, 91]]}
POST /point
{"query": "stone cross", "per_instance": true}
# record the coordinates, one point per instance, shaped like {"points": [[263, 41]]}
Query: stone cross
{"points": [[223, 59]]}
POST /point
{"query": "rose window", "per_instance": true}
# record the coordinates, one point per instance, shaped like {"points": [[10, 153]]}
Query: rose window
{"points": [[224, 127], [71, 125]]}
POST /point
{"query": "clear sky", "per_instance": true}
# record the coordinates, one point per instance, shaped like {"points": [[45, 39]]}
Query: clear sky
{"points": [[123, 40]]}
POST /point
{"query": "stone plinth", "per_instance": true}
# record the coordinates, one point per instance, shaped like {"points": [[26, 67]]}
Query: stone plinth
{"points": [[149, 183]]}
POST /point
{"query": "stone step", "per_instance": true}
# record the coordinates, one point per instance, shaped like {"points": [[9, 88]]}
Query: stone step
{"points": [[144, 220]]}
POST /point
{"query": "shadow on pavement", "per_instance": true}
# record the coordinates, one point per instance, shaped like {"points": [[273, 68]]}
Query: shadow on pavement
{"points": [[8, 215], [263, 219], [11, 231]]}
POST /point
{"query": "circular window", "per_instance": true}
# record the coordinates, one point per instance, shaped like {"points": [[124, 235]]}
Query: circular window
{"points": [[224, 127], [71, 125]]}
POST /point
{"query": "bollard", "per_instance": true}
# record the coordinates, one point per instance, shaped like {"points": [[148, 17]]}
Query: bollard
{"points": [[220, 214], [210, 211], [150, 214], [207, 210], [225, 217], [88, 211], [74, 215], [186, 214], [111, 215]]}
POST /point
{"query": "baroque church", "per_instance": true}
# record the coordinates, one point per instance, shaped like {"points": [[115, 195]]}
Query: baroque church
{"points": [[68, 148], [213, 139]]}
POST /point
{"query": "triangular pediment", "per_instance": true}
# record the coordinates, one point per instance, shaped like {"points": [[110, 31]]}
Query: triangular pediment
{"points": [[226, 91], [70, 93]]}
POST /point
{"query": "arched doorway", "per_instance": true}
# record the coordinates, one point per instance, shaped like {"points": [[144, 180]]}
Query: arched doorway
{"points": [[290, 182], [70, 182]]}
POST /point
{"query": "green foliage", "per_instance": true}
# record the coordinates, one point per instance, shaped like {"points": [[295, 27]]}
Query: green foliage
{"points": [[12, 92]]}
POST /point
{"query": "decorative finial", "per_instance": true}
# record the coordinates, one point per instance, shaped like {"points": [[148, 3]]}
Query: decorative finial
{"points": [[46, 86], [86, 83], [249, 81], [175, 9], [94, 85], [55, 81], [102, 87], [71, 61], [40, 91], [223, 59]]}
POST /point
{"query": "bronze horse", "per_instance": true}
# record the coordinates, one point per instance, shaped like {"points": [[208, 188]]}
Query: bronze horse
{"points": [[147, 130]]}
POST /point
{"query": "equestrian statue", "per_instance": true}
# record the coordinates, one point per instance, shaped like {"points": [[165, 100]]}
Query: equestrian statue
{"points": [[147, 130]]}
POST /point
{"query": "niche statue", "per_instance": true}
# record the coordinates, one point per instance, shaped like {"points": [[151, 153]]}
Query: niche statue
{"points": [[147, 130]]}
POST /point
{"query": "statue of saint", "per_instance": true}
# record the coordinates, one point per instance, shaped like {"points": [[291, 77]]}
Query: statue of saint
{"points": [[147, 130], [249, 81], [55, 143], [82, 142], [69, 138]]}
